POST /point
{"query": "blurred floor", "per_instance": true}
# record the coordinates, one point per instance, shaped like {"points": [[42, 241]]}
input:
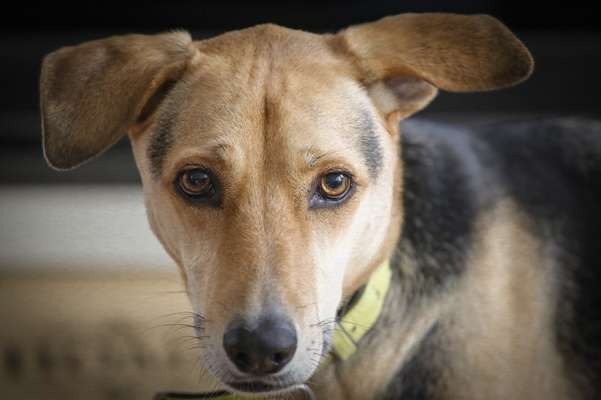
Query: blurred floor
{"points": [[115, 337]]}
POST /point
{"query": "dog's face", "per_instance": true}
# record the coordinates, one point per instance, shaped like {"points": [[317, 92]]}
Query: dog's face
{"points": [[272, 187], [269, 160]]}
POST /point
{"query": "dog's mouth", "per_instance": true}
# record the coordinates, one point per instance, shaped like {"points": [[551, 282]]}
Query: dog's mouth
{"points": [[258, 387]]}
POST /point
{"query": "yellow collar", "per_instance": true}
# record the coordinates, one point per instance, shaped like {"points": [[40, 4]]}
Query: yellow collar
{"points": [[362, 316], [353, 325]]}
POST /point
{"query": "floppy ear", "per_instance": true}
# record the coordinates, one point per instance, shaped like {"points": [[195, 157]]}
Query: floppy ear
{"points": [[403, 59], [91, 94]]}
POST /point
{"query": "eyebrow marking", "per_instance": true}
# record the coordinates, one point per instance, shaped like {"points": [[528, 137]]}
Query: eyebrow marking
{"points": [[369, 144], [161, 142], [312, 158]]}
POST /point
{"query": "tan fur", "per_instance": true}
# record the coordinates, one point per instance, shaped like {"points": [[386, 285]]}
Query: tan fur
{"points": [[269, 110], [503, 315]]}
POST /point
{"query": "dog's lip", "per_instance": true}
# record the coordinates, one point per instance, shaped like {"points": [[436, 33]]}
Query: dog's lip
{"points": [[257, 386]]}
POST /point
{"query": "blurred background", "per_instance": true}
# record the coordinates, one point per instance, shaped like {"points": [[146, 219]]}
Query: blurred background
{"points": [[76, 256]]}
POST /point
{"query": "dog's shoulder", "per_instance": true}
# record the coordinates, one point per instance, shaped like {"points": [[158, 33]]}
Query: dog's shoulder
{"points": [[558, 149]]}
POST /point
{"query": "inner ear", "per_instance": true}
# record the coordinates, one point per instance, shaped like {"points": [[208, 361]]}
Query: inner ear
{"points": [[155, 100], [399, 97]]}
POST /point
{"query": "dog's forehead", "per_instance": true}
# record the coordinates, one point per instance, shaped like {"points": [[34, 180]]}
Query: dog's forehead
{"points": [[272, 45], [268, 89]]}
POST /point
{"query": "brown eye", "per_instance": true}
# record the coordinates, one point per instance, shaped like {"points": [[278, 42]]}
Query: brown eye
{"points": [[196, 183], [335, 185]]}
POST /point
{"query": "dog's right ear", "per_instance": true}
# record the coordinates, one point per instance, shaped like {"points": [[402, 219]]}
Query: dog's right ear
{"points": [[403, 60], [92, 94]]}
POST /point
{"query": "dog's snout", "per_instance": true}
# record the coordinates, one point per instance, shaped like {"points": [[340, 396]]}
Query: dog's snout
{"points": [[263, 349]]}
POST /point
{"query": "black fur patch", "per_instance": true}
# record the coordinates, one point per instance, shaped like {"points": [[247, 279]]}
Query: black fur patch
{"points": [[370, 145], [442, 196], [160, 144]]}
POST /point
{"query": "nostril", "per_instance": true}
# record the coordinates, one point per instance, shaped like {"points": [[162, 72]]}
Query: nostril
{"points": [[242, 360], [278, 358]]}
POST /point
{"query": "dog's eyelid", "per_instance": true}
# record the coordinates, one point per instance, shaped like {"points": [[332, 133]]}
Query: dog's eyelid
{"points": [[358, 178], [327, 164], [174, 169]]}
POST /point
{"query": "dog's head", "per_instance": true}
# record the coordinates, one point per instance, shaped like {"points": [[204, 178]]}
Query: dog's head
{"points": [[269, 160]]}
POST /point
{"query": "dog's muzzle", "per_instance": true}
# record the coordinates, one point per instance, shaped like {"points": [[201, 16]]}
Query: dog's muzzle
{"points": [[270, 344]]}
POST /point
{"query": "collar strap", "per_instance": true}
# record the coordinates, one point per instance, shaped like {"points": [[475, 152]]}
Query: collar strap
{"points": [[362, 315], [354, 323]]}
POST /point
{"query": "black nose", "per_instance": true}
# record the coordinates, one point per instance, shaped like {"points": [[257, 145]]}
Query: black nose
{"points": [[263, 349]]}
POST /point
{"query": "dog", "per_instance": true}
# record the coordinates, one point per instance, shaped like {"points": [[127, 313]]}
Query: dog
{"points": [[279, 177]]}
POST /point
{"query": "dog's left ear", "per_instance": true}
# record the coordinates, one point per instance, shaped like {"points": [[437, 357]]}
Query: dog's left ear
{"points": [[403, 59]]}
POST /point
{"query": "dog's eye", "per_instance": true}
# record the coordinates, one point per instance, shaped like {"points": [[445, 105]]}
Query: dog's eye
{"points": [[335, 185], [196, 183], [332, 189]]}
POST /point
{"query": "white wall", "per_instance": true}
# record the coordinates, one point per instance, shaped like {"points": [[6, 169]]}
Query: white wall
{"points": [[77, 228]]}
